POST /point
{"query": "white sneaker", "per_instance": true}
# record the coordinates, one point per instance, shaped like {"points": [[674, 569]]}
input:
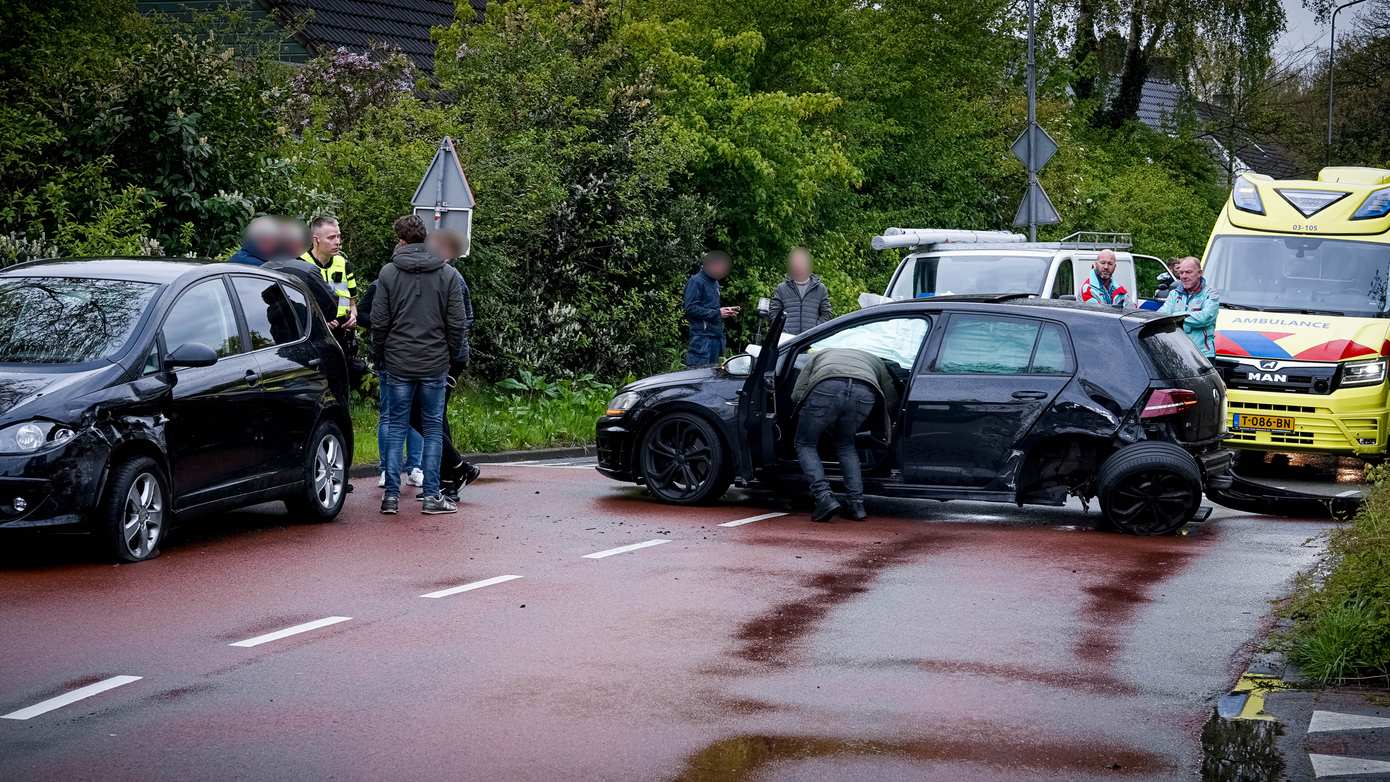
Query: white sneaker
{"points": [[416, 477], [381, 481]]}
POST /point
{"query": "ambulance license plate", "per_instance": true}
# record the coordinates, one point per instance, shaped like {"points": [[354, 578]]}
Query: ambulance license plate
{"points": [[1265, 423]]}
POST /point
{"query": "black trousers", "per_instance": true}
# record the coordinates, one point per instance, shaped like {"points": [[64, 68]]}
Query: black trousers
{"points": [[835, 408]]}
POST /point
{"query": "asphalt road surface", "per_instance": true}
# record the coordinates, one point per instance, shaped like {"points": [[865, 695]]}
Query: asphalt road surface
{"points": [[950, 642]]}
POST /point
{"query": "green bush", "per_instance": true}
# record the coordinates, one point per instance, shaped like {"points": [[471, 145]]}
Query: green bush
{"points": [[1341, 613]]}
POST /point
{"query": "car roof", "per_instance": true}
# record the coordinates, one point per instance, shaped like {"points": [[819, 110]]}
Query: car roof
{"points": [[156, 270], [1010, 304]]}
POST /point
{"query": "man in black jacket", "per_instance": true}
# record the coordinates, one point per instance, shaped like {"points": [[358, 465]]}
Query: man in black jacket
{"points": [[802, 295], [418, 327], [704, 312]]}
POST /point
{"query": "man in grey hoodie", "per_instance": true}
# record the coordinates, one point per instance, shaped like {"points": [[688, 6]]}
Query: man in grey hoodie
{"points": [[419, 323], [802, 295]]}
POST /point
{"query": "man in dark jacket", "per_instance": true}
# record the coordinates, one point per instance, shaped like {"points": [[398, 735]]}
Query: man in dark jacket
{"points": [[262, 245], [802, 295], [418, 327], [836, 391], [704, 312]]}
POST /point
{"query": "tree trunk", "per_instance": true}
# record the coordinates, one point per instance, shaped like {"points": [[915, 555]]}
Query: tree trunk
{"points": [[1125, 105], [1083, 52]]}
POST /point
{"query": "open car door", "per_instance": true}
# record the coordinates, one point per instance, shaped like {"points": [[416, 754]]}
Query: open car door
{"points": [[757, 406]]}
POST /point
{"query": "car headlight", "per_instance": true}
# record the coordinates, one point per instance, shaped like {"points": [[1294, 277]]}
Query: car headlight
{"points": [[622, 403], [1246, 197], [31, 436], [1363, 373], [1377, 204]]}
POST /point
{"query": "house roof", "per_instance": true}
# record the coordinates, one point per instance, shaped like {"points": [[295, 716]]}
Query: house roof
{"points": [[1159, 107], [356, 24]]}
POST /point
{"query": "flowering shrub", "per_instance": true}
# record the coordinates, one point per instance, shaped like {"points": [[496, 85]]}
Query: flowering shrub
{"points": [[340, 89]]}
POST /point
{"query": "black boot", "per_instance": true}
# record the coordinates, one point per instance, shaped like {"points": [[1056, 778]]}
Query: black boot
{"points": [[827, 508], [856, 510]]}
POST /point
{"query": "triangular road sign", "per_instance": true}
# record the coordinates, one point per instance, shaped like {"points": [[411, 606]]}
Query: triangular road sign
{"points": [[1046, 214], [444, 186]]}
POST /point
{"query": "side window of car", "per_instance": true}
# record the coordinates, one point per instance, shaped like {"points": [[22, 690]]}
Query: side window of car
{"points": [[1052, 357], [203, 315], [987, 345], [300, 305], [1065, 284], [895, 339], [270, 319]]}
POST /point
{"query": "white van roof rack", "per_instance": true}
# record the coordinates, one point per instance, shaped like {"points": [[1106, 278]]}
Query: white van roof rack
{"points": [[918, 237], [1097, 240]]}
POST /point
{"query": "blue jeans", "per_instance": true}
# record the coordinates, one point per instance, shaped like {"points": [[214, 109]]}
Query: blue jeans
{"points": [[401, 393], [413, 442], [704, 349]]}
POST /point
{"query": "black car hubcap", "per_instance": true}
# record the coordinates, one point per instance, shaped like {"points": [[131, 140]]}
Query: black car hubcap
{"points": [[1152, 501], [678, 459]]}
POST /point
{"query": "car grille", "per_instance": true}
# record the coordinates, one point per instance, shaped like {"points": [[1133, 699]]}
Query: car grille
{"points": [[1290, 377], [1316, 428]]}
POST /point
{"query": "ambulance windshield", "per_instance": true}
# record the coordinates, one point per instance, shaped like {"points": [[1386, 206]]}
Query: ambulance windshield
{"points": [[1300, 274]]}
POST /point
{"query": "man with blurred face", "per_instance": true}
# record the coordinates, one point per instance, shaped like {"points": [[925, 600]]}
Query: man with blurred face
{"points": [[1101, 288], [802, 296], [704, 311], [1199, 301], [260, 242]]}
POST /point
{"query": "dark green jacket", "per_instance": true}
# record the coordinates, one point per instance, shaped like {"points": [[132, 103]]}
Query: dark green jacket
{"points": [[855, 365]]}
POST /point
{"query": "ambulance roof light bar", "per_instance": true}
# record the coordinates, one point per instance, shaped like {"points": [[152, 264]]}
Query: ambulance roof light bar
{"points": [[918, 237]]}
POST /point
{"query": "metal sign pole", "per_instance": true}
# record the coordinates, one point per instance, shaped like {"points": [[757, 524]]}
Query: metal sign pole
{"points": [[1032, 123]]}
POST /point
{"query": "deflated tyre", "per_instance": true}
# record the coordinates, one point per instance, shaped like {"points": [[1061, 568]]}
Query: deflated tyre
{"points": [[1151, 488]]}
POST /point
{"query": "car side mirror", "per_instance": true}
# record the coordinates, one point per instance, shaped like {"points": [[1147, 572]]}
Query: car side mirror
{"points": [[740, 365], [191, 354], [1164, 278]]}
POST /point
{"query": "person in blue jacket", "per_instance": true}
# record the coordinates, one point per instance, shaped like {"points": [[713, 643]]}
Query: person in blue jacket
{"points": [[704, 312], [1198, 300]]}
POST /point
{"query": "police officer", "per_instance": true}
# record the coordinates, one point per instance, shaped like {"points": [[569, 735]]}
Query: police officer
{"points": [[326, 239]]}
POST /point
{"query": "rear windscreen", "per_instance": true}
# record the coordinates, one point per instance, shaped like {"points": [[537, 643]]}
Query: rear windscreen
{"points": [[1172, 353]]}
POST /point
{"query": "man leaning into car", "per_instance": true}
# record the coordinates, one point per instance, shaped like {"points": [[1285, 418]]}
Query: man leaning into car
{"points": [[836, 391]]}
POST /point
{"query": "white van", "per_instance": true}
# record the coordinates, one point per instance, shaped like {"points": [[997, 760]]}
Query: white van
{"points": [[944, 262]]}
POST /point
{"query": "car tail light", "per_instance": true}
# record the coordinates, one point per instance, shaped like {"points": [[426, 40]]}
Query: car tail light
{"points": [[1168, 401]]}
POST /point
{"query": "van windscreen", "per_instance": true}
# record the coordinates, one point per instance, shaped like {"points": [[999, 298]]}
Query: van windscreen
{"points": [[946, 273]]}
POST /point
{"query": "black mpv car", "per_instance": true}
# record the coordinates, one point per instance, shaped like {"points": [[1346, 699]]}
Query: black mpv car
{"points": [[135, 392], [1004, 399]]}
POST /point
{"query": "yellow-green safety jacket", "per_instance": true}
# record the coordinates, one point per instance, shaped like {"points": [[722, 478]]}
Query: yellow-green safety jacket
{"points": [[339, 277]]}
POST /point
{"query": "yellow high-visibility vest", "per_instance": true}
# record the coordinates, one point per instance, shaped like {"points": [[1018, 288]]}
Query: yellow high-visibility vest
{"points": [[339, 277]]}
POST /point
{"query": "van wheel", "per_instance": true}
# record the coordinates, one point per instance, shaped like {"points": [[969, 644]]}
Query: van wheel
{"points": [[682, 460], [1150, 488], [135, 511], [325, 476]]}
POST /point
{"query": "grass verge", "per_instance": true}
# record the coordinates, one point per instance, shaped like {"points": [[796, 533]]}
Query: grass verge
{"points": [[1341, 611], [511, 416]]}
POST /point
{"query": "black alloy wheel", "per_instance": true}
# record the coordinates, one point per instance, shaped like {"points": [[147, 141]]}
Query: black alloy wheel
{"points": [[1151, 488], [683, 460]]}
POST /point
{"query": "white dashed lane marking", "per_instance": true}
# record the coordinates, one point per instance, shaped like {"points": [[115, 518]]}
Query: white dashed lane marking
{"points": [[487, 582], [751, 519], [624, 549], [289, 631], [67, 698], [1324, 721], [1341, 766]]}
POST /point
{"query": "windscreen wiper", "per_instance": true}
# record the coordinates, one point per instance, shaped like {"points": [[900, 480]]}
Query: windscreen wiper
{"points": [[1302, 311], [1230, 305]]}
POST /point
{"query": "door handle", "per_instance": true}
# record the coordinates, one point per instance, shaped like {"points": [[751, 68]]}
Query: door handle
{"points": [[313, 362], [1030, 395], [252, 377]]}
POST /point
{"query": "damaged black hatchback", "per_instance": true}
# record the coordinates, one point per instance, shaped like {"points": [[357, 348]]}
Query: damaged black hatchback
{"points": [[1004, 399], [136, 391]]}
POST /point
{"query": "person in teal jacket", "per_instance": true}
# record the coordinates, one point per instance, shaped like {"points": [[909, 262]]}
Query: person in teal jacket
{"points": [[1200, 301]]}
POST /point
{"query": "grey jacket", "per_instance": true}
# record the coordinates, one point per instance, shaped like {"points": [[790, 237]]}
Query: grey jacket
{"points": [[803, 312], [419, 319]]}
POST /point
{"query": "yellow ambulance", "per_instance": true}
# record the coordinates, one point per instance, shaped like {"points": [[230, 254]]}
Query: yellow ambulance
{"points": [[1302, 268]]}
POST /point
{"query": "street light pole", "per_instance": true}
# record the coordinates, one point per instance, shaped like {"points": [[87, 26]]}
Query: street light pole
{"points": [[1331, 52]]}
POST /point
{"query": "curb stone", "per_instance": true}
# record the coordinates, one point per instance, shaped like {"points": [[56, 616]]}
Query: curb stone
{"points": [[368, 469]]}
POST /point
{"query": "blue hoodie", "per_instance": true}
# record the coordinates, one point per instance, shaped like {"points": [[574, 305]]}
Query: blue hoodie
{"points": [[248, 255]]}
